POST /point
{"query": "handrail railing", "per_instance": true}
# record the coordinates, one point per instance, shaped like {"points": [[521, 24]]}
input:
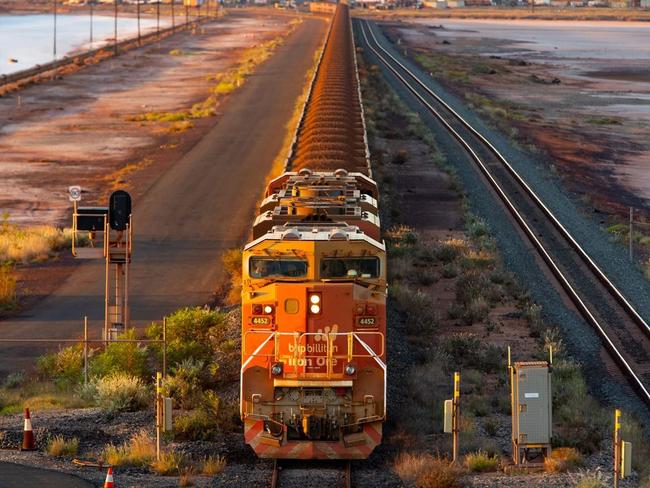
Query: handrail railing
{"points": [[299, 357]]}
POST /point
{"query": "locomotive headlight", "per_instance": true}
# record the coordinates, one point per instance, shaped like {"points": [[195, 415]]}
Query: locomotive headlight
{"points": [[276, 369], [268, 309], [315, 305], [350, 369]]}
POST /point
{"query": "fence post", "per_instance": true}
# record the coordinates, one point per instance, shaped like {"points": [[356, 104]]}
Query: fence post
{"points": [[85, 350], [164, 337], [456, 416], [158, 413]]}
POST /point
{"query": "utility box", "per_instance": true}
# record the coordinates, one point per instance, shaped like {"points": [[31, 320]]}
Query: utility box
{"points": [[626, 459], [531, 409], [449, 417]]}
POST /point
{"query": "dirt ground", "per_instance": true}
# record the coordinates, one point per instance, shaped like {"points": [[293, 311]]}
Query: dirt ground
{"points": [[79, 129], [584, 106]]}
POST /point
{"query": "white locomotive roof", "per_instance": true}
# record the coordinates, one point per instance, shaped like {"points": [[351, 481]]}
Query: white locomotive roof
{"points": [[319, 232]]}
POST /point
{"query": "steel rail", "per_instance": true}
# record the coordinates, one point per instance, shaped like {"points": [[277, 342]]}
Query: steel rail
{"points": [[638, 319], [634, 379], [275, 475]]}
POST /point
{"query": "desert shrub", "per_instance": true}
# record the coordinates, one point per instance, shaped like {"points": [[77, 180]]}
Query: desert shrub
{"points": [[25, 244], [481, 462], [491, 427], [463, 349], [579, 420], [7, 286], [14, 380], [232, 262], [64, 368], [140, 450], [478, 405], [212, 465], [400, 157], [169, 464], [401, 237], [121, 356], [451, 249], [533, 315], [196, 425], [192, 332], [416, 307], [449, 270], [429, 385], [184, 383], [425, 277], [562, 459], [632, 431], [121, 392], [58, 446], [476, 310]]}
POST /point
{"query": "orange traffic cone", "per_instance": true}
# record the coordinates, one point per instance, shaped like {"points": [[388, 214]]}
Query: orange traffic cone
{"points": [[28, 434], [109, 479]]}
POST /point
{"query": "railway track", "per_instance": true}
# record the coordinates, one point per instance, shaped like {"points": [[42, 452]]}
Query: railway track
{"points": [[341, 476], [623, 331]]}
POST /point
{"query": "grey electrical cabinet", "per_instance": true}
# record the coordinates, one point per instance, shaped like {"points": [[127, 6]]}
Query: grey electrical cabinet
{"points": [[531, 407]]}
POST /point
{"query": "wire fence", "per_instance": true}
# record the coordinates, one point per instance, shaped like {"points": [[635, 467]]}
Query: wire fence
{"points": [[193, 16], [86, 341]]}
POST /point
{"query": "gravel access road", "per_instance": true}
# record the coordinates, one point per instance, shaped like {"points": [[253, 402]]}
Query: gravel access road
{"points": [[202, 206]]}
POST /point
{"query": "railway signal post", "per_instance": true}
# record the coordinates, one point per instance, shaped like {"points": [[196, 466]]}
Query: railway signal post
{"points": [[113, 224]]}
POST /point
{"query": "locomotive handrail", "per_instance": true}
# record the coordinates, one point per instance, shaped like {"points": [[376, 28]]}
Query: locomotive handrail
{"points": [[301, 356], [329, 337]]}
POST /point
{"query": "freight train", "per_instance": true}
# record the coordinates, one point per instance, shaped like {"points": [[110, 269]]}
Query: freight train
{"points": [[313, 372]]}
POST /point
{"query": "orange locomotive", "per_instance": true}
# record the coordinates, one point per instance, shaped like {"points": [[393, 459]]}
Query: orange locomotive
{"points": [[313, 375]]}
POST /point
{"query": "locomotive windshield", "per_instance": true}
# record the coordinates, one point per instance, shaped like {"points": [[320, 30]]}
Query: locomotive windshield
{"points": [[277, 268], [367, 267]]}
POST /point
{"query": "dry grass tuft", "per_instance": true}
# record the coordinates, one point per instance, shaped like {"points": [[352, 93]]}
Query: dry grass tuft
{"points": [[58, 446], [232, 262], [427, 471], [212, 465], [26, 244], [562, 459], [7, 286], [169, 464], [139, 451], [481, 462]]}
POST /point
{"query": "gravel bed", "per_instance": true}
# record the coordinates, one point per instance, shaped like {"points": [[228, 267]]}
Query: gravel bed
{"points": [[581, 340]]}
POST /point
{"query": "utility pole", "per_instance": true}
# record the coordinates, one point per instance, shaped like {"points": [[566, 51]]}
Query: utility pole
{"points": [[158, 18], [137, 3], [187, 14], [54, 44], [115, 28], [173, 20], [90, 5]]}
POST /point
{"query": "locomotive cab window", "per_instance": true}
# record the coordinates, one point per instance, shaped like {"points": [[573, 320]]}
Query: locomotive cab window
{"points": [[342, 268], [277, 268]]}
